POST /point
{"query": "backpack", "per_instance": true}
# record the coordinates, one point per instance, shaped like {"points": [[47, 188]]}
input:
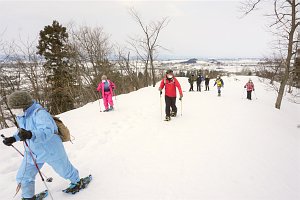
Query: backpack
{"points": [[219, 82], [62, 130]]}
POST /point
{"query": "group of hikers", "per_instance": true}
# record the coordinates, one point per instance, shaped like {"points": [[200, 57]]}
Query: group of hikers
{"points": [[37, 128], [198, 80], [219, 82], [170, 83]]}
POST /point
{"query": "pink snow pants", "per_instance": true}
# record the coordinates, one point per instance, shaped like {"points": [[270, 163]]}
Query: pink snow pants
{"points": [[107, 99]]}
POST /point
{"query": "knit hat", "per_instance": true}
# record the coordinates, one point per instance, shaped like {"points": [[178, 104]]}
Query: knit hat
{"points": [[169, 71], [104, 77], [19, 99]]}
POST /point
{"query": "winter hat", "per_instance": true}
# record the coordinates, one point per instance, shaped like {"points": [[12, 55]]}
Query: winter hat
{"points": [[169, 71], [104, 77], [19, 99]]}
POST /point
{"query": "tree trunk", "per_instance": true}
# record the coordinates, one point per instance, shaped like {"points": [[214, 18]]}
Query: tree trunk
{"points": [[152, 69], [281, 90]]}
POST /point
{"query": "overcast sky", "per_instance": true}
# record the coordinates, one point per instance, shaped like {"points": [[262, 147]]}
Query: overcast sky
{"points": [[202, 29]]}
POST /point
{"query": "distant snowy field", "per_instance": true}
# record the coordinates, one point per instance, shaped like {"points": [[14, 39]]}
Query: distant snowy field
{"points": [[220, 148], [229, 65]]}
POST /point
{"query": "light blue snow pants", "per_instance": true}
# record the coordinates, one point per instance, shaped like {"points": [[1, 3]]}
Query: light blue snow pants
{"points": [[27, 173]]}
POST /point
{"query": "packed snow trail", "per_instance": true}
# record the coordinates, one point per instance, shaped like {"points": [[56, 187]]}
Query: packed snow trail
{"points": [[221, 148]]}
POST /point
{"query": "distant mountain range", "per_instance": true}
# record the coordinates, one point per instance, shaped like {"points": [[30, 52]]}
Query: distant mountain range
{"points": [[190, 61]]}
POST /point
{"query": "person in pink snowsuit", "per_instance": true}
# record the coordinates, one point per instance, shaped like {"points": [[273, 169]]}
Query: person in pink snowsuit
{"points": [[250, 87], [106, 87]]}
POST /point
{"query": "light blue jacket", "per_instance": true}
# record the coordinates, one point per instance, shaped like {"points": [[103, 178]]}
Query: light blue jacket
{"points": [[45, 145]]}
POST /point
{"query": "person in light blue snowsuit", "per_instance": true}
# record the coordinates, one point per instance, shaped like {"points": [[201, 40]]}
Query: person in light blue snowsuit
{"points": [[37, 128]]}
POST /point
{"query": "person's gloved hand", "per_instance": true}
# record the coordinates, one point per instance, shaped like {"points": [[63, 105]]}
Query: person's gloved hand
{"points": [[180, 98], [24, 134], [253, 89], [160, 92], [8, 141]]}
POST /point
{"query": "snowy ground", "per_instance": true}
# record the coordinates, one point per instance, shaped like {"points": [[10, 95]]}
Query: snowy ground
{"points": [[221, 148]]}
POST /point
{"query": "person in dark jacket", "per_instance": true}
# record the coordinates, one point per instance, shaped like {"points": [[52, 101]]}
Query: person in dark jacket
{"points": [[206, 83], [191, 81], [170, 83], [199, 80]]}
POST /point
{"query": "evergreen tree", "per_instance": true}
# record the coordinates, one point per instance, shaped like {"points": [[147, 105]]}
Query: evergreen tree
{"points": [[53, 46]]}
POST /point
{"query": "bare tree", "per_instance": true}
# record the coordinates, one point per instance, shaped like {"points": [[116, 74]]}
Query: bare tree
{"points": [[91, 49], [286, 22], [130, 68], [150, 40], [33, 73]]}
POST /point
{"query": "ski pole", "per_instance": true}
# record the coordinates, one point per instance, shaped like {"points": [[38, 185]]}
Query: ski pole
{"points": [[13, 146], [37, 167], [243, 93], [100, 102], [50, 179], [181, 106], [255, 94], [115, 95], [160, 107]]}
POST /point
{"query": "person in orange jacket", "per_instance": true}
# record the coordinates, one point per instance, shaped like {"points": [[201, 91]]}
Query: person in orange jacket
{"points": [[170, 83]]}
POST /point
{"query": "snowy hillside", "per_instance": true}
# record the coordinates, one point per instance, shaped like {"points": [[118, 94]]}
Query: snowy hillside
{"points": [[221, 148]]}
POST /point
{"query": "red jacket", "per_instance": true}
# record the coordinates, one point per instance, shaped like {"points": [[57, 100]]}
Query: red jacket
{"points": [[249, 86], [170, 86]]}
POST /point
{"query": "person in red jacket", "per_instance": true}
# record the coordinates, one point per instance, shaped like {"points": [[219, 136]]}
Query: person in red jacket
{"points": [[250, 87], [169, 82]]}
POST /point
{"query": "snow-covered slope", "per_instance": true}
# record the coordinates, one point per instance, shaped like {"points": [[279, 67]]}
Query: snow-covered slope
{"points": [[220, 148]]}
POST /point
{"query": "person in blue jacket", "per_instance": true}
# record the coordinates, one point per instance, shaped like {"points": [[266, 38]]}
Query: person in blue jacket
{"points": [[37, 128]]}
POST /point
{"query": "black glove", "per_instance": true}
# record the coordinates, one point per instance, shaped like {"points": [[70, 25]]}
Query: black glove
{"points": [[160, 92], [253, 89], [24, 134], [8, 141]]}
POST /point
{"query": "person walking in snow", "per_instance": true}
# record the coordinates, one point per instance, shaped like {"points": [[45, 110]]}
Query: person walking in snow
{"points": [[220, 83], [170, 83], [37, 129], [191, 80], [206, 80], [250, 87], [199, 80], [107, 88]]}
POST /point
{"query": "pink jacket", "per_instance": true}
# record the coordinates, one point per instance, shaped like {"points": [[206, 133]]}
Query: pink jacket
{"points": [[249, 86], [101, 87]]}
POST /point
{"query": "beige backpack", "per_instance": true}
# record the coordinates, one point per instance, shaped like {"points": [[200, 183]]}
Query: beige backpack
{"points": [[63, 130]]}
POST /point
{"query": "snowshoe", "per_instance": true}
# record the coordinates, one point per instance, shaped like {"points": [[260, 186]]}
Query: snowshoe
{"points": [[173, 114], [111, 108], [106, 110], [168, 118], [39, 196], [74, 188]]}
